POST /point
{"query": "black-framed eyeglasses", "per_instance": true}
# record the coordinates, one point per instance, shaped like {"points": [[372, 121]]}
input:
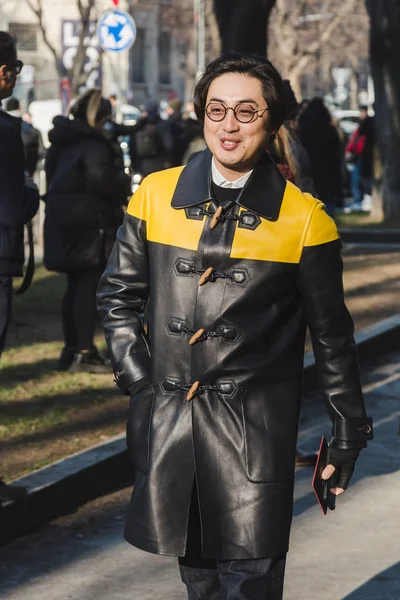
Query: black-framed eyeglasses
{"points": [[244, 113], [15, 65]]}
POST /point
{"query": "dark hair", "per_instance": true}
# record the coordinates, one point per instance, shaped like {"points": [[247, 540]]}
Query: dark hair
{"points": [[12, 104], [8, 48], [92, 108], [245, 64], [315, 115], [291, 104]]}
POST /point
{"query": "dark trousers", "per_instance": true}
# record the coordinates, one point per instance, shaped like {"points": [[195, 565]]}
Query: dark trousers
{"points": [[251, 579], [5, 307], [79, 309]]}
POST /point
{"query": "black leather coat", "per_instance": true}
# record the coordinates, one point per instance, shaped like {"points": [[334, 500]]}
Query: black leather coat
{"points": [[276, 263]]}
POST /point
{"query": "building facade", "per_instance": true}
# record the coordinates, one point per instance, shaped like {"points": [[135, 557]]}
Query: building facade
{"points": [[155, 66]]}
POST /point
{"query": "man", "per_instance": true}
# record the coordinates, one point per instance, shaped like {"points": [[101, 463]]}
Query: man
{"points": [[236, 261], [31, 137], [150, 142], [177, 132], [360, 153], [19, 199]]}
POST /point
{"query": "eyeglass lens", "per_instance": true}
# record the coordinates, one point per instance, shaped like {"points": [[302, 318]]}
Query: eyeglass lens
{"points": [[243, 112]]}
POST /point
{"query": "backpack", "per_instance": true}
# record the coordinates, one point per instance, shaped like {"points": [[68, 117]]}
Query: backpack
{"points": [[148, 142]]}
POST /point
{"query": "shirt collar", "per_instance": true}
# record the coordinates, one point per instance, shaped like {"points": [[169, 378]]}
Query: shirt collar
{"points": [[220, 180], [262, 194]]}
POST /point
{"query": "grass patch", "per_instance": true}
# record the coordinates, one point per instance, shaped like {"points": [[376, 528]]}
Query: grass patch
{"points": [[46, 414], [362, 220]]}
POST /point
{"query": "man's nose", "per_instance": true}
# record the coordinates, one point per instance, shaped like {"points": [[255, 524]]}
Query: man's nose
{"points": [[230, 122]]}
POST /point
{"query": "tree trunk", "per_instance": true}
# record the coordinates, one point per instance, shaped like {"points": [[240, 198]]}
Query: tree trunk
{"points": [[243, 24], [385, 67]]}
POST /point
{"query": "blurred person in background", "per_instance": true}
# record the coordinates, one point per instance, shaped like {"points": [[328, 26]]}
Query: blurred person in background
{"points": [[177, 134], [115, 131], [289, 145], [150, 146], [113, 100], [86, 191], [194, 133], [31, 137], [360, 153], [321, 140], [19, 201]]}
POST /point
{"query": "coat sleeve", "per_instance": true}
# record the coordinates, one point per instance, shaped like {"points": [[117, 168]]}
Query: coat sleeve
{"points": [[122, 294], [331, 328], [19, 203]]}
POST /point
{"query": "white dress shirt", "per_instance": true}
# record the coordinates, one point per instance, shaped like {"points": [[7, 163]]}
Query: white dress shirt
{"points": [[220, 180]]}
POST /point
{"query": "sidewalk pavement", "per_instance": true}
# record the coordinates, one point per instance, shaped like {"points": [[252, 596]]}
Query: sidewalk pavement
{"points": [[352, 553]]}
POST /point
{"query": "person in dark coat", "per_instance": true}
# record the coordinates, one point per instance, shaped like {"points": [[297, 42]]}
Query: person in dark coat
{"points": [[321, 140], [236, 262], [86, 191], [360, 153], [31, 137], [19, 197], [19, 201], [151, 143], [177, 130]]}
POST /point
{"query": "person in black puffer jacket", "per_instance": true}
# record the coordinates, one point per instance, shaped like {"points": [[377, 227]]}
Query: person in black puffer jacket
{"points": [[86, 192]]}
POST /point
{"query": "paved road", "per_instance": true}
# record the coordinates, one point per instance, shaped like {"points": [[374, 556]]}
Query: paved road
{"points": [[351, 554]]}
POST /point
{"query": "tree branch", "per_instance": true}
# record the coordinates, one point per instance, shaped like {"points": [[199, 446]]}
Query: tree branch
{"points": [[38, 11], [305, 59], [77, 73]]}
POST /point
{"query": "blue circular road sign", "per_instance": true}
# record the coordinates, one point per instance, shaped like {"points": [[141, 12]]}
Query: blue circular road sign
{"points": [[116, 31]]}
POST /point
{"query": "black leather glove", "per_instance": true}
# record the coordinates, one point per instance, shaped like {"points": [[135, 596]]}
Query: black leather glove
{"points": [[138, 386], [343, 461]]}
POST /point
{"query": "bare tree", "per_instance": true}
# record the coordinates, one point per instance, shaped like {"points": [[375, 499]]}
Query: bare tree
{"points": [[302, 31], [385, 66], [76, 74]]}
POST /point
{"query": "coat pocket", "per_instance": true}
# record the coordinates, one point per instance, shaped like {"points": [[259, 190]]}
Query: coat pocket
{"points": [[138, 428], [270, 421]]}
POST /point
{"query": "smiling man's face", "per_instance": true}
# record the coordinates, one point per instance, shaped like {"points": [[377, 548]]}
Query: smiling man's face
{"points": [[236, 146]]}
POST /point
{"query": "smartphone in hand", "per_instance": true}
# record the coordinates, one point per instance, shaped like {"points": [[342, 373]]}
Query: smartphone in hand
{"points": [[322, 488]]}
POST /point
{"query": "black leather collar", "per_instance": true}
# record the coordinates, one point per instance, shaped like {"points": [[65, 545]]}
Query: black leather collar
{"points": [[262, 194]]}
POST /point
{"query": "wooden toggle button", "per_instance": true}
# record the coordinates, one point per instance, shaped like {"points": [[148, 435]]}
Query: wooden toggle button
{"points": [[192, 391], [196, 336], [216, 216], [203, 279]]}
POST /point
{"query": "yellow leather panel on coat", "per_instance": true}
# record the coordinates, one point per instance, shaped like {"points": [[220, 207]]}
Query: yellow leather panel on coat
{"points": [[321, 228], [170, 226], [302, 222]]}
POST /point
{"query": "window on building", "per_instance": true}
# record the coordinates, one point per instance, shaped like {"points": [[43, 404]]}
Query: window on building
{"points": [[164, 49], [26, 34], [138, 57]]}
